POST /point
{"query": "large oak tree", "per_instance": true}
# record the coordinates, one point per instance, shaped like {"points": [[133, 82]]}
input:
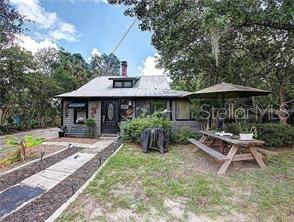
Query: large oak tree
{"points": [[201, 43]]}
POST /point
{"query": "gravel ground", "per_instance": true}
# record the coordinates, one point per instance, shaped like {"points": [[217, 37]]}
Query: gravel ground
{"points": [[74, 140], [32, 154], [18, 175], [43, 207]]}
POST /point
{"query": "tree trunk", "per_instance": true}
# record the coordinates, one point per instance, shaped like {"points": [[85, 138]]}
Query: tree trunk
{"points": [[283, 113]]}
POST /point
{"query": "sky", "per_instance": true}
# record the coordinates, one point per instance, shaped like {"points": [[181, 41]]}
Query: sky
{"points": [[87, 27]]}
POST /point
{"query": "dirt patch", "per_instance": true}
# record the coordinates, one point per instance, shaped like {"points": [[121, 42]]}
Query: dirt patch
{"points": [[74, 140]]}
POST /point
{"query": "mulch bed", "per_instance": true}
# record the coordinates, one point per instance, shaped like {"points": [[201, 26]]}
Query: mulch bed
{"points": [[43, 207], [22, 173]]}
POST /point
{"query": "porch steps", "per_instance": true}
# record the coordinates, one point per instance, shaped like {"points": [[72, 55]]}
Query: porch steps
{"points": [[109, 135]]}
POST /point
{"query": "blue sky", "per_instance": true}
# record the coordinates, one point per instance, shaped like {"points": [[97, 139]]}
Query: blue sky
{"points": [[87, 26]]}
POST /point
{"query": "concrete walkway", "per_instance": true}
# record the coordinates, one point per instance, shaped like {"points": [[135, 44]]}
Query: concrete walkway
{"points": [[16, 197], [48, 133]]}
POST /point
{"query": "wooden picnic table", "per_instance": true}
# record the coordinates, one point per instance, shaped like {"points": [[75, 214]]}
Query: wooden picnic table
{"points": [[210, 139]]}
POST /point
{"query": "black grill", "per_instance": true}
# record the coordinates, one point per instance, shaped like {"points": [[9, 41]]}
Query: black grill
{"points": [[153, 138]]}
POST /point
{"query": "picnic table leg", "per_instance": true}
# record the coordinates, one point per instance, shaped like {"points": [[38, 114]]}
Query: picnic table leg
{"points": [[222, 147], [256, 156], [227, 163], [203, 138]]}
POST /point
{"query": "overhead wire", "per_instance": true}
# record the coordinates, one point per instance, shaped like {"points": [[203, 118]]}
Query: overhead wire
{"points": [[124, 36]]}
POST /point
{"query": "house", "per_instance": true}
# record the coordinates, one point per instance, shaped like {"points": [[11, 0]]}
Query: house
{"points": [[110, 100]]}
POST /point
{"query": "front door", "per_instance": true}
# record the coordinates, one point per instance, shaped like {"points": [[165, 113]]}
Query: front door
{"points": [[109, 116]]}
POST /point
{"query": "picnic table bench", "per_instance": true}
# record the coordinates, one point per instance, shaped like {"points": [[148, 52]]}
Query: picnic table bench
{"points": [[208, 150], [79, 131], [211, 139]]}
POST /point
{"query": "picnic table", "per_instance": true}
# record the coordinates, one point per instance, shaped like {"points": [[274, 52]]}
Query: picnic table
{"points": [[210, 140]]}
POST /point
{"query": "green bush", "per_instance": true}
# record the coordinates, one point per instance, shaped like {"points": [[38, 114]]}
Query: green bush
{"points": [[133, 129], [91, 124], [274, 134], [183, 134]]}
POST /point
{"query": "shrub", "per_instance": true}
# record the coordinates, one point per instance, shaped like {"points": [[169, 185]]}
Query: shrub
{"points": [[91, 124], [274, 134], [183, 134], [133, 129]]}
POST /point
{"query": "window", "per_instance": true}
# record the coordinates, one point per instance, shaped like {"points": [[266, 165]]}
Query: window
{"points": [[126, 109], [128, 84], [117, 84], [158, 106], [142, 107], [183, 110], [122, 83], [80, 115]]}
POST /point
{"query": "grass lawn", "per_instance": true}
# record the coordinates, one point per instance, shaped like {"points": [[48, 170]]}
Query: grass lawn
{"points": [[181, 186]]}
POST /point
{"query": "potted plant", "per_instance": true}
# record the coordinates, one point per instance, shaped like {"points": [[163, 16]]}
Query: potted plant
{"points": [[247, 132]]}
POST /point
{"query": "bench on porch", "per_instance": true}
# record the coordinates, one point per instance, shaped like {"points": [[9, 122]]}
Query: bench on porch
{"points": [[209, 151], [77, 131]]}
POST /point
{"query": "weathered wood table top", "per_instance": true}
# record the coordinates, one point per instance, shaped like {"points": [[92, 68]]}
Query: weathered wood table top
{"points": [[229, 139]]}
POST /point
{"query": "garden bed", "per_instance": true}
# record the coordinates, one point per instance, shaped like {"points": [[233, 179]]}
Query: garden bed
{"points": [[181, 186], [43, 207], [32, 154], [22, 173]]}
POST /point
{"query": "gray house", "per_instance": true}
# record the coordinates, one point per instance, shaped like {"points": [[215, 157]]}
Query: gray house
{"points": [[110, 100]]}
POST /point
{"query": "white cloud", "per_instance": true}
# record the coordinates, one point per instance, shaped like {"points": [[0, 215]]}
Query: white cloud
{"points": [[95, 51], [67, 27], [32, 45], [150, 68], [65, 31], [56, 29], [32, 10]]}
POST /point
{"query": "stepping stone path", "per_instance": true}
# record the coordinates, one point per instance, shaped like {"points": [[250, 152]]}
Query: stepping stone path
{"points": [[19, 195]]}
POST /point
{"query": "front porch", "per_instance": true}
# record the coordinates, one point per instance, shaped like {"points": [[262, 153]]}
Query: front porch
{"points": [[108, 113]]}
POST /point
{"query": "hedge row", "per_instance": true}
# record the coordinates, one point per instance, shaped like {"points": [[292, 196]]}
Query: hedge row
{"points": [[274, 134], [132, 130]]}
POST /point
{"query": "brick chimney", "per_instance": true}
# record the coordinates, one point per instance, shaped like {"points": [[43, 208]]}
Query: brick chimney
{"points": [[124, 65]]}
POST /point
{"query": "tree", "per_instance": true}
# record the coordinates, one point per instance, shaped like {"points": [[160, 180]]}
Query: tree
{"points": [[105, 65], [204, 42], [71, 71], [40, 103], [14, 67], [11, 23], [96, 65], [46, 59]]}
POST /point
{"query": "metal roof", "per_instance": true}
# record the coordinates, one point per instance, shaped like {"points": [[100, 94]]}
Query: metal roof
{"points": [[146, 86]]}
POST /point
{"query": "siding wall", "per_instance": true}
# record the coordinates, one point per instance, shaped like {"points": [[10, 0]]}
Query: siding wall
{"points": [[176, 124], [97, 116], [69, 120]]}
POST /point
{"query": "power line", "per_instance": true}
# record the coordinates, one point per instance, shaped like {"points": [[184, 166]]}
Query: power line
{"points": [[124, 36]]}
